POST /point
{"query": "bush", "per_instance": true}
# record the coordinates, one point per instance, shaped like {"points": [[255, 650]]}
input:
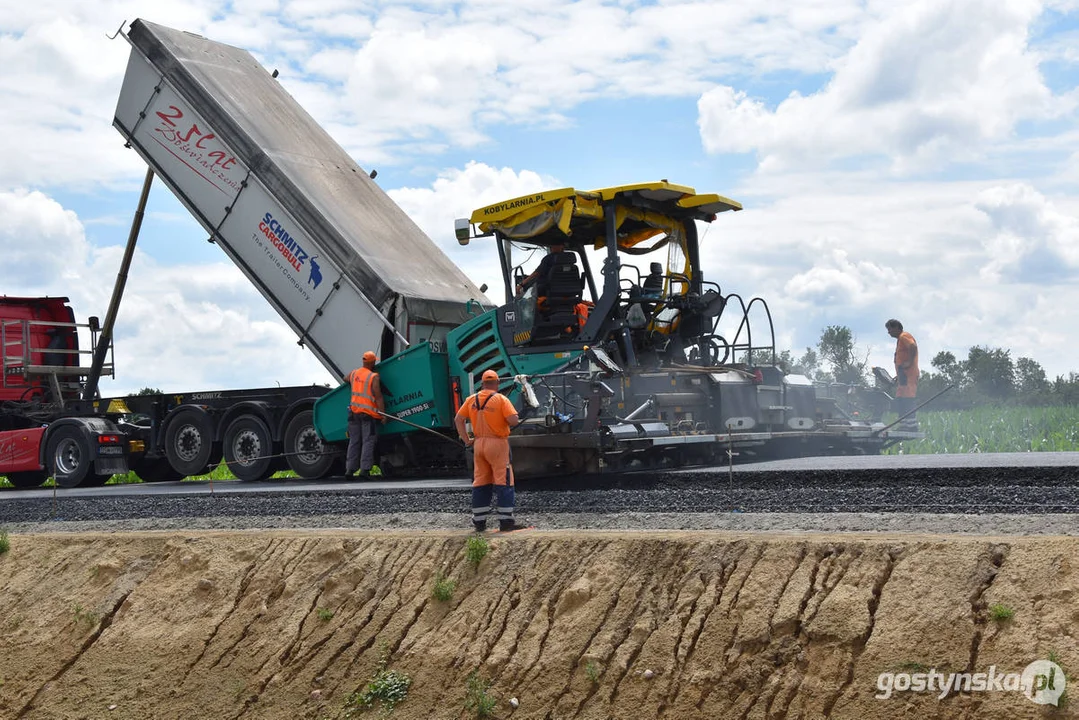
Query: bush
{"points": [[1001, 613], [476, 550], [477, 698], [444, 587], [386, 688], [592, 670]]}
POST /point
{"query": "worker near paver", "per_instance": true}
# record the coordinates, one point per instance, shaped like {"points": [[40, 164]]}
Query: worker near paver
{"points": [[906, 373], [365, 410], [492, 416]]}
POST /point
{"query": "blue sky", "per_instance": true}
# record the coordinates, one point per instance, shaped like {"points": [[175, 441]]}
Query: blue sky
{"points": [[917, 160]]}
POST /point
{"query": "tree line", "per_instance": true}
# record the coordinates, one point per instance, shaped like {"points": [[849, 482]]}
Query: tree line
{"points": [[988, 375]]}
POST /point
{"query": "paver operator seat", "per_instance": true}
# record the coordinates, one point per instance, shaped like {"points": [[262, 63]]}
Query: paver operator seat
{"points": [[558, 294]]}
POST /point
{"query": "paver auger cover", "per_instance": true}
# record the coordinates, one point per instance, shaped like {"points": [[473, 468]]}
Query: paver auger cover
{"points": [[335, 256]]}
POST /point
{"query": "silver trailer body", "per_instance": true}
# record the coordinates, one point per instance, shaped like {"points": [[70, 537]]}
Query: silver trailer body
{"points": [[332, 253]]}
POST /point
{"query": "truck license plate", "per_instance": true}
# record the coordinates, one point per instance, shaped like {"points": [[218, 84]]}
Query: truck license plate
{"points": [[110, 450]]}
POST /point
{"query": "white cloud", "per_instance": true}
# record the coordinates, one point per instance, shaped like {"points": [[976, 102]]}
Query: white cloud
{"points": [[836, 279], [44, 244], [437, 79], [1032, 240], [929, 82], [55, 83], [391, 81]]}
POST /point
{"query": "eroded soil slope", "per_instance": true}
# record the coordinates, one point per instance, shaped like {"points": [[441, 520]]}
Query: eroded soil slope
{"points": [[573, 624]]}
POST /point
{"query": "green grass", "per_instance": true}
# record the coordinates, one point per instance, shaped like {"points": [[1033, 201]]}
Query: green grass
{"points": [[219, 472], [325, 614], [478, 699], [913, 666], [1000, 613], [386, 688], [593, 671], [991, 429], [5, 542], [443, 588], [476, 550], [85, 617]]}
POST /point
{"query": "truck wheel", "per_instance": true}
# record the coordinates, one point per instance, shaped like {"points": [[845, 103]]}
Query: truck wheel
{"points": [[68, 457], [306, 454], [189, 441], [156, 470], [27, 479], [248, 447]]}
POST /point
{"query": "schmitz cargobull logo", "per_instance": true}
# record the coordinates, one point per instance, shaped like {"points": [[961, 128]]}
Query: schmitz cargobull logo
{"points": [[290, 250]]}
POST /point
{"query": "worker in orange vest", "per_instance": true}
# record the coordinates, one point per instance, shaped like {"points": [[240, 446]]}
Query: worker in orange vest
{"points": [[492, 416], [365, 409], [906, 373]]}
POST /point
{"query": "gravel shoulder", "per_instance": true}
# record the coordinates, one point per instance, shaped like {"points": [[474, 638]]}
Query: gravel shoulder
{"points": [[814, 523]]}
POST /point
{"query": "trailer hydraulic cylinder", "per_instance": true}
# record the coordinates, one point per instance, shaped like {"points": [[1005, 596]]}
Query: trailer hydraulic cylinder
{"points": [[104, 341]]}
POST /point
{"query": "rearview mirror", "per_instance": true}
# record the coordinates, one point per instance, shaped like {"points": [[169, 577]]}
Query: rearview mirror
{"points": [[462, 229]]}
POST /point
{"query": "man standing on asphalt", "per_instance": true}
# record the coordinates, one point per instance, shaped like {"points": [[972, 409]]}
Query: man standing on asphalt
{"points": [[492, 416], [906, 373], [365, 409]]}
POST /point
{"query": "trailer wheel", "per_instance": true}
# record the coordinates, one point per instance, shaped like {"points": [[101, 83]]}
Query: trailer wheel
{"points": [[189, 441], [27, 479], [248, 448], [156, 470], [68, 457], [306, 454]]}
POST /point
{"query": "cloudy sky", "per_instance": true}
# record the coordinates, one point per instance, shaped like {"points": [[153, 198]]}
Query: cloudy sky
{"points": [[917, 160]]}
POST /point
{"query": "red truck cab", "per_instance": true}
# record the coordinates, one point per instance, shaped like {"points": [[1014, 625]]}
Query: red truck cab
{"points": [[44, 430], [35, 333]]}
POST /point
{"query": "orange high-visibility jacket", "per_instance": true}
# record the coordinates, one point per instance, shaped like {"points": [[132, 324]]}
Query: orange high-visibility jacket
{"points": [[581, 310], [488, 411], [363, 397], [906, 362]]}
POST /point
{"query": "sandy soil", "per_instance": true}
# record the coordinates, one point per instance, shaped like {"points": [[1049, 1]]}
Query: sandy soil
{"points": [[572, 624]]}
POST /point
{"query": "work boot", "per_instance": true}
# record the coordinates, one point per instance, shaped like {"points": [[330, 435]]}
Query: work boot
{"points": [[364, 474], [505, 526], [480, 526]]}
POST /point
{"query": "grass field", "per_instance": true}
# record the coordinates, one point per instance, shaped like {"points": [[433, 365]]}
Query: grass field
{"points": [[996, 429], [221, 472], [984, 429]]}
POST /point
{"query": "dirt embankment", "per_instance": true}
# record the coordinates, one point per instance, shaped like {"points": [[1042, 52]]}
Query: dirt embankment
{"points": [[572, 624]]}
